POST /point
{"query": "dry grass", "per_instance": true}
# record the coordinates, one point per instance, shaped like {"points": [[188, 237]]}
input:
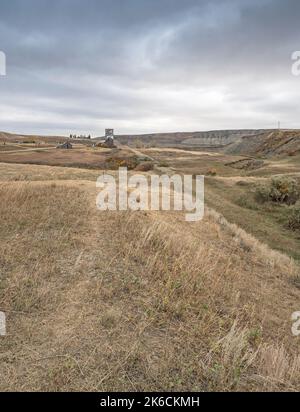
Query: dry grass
{"points": [[30, 173], [201, 295], [144, 301], [40, 236], [80, 156]]}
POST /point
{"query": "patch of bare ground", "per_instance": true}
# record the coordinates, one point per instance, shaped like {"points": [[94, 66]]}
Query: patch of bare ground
{"points": [[138, 301]]}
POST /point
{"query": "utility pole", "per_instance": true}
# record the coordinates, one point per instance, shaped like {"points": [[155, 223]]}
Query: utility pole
{"points": [[278, 125]]}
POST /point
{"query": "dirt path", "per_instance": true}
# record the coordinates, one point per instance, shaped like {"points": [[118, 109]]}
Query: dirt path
{"points": [[135, 151]]}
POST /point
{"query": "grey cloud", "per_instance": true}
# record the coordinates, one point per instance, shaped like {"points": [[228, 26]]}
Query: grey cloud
{"points": [[148, 65]]}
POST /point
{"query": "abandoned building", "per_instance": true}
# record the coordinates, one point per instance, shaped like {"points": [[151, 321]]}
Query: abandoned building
{"points": [[109, 138], [109, 141], [109, 134], [65, 145]]}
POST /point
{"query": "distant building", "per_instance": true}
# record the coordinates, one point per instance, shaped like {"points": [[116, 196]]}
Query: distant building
{"points": [[66, 145], [109, 141], [109, 134], [109, 138]]}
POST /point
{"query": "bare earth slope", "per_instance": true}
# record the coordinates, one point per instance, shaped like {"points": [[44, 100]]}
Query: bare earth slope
{"points": [[268, 144], [214, 138]]}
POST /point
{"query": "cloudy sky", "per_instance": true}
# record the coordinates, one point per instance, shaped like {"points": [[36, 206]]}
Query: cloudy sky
{"points": [[142, 66]]}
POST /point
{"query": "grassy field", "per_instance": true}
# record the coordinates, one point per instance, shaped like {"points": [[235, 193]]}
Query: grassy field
{"points": [[111, 301], [116, 301], [267, 222], [80, 156], [231, 192]]}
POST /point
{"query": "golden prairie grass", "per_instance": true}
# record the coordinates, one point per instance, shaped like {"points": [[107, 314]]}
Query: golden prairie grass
{"points": [[138, 301], [32, 173], [225, 301]]}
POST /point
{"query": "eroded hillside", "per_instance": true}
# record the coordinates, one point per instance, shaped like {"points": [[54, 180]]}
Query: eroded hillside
{"points": [[268, 144]]}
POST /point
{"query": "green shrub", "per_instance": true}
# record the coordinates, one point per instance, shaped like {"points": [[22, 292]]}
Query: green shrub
{"points": [[262, 194], [163, 164], [281, 190], [247, 202], [115, 163], [294, 218]]}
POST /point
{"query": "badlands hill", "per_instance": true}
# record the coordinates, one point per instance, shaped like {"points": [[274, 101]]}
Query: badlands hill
{"points": [[268, 143], [247, 142], [214, 138]]}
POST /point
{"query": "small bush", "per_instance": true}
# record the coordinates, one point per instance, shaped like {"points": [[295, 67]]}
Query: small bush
{"points": [[116, 163], [294, 218], [242, 183], [163, 164], [145, 167], [246, 202], [211, 172], [262, 194], [281, 190]]}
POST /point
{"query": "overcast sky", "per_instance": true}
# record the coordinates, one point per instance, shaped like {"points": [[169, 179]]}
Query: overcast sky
{"points": [[139, 66]]}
